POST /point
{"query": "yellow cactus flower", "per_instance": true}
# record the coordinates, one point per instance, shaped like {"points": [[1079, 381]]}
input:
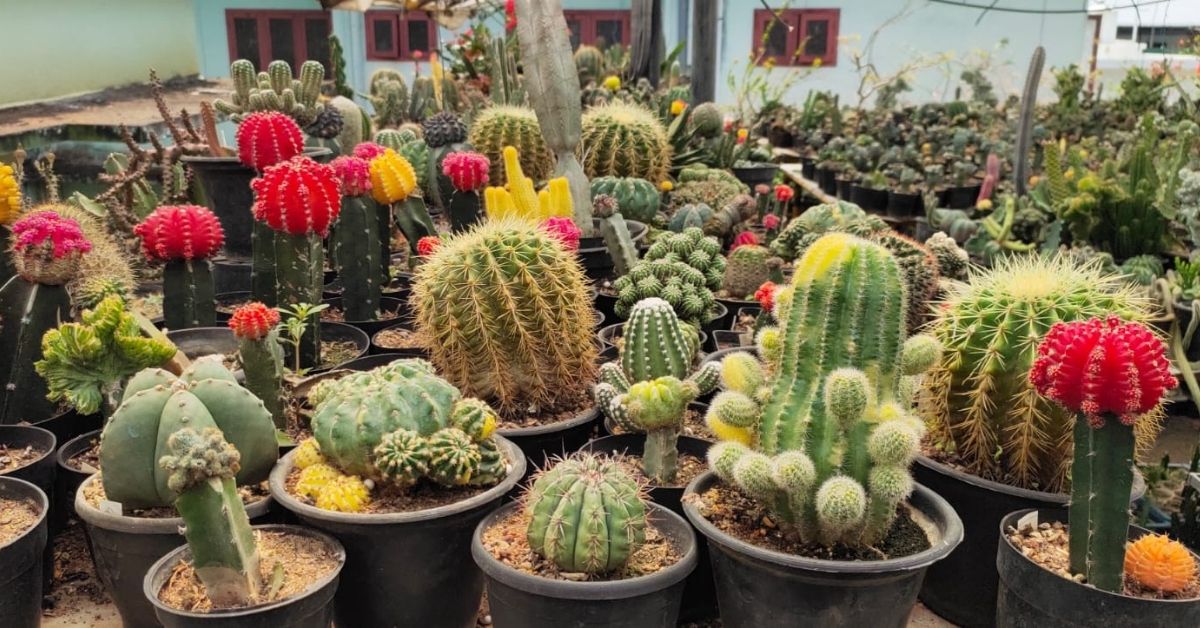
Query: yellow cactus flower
{"points": [[666, 185], [392, 178], [769, 63], [677, 107], [1083, 154], [1034, 180], [612, 83], [10, 195], [742, 134], [817, 62], [1069, 174], [984, 205]]}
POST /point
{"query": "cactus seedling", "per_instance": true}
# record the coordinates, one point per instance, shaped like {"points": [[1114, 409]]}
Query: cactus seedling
{"points": [[615, 232], [256, 328], [184, 237]]}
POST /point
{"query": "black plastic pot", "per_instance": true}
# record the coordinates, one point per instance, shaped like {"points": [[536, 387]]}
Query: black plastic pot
{"points": [[341, 332], [756, 174], [41, 473], [368, 362], [761, 588], [606, 304], [397, 289], [124, 548], [386, 304], [609, 334], [200, 341], [719, 319], [961, 196], [21, 560], [1030, 596], [521, 600], [827, 180], [540, 442], [1183, 312], [593, 253], [68, 478], [231, 274], [843, 188], [870, 199], [808, 167], [377, 349], [901, 205], [410, 568], [229, 298], [958, 588], [728, 339], [310, 609], [69, 424]]}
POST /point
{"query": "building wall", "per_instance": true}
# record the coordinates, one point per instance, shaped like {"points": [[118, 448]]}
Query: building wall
{"points": [[81, 46]]}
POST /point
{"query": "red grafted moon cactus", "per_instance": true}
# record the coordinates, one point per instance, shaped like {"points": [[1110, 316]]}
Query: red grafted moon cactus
{"points": [[298, 196], [180, 232], [1102, 367], [564, 230], [265, 138], [354, 173], [368, 150], [253, 321], [468, 172]]}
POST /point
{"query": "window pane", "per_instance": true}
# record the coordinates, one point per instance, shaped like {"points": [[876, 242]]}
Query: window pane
{"points": [[384, 35], [610, 31], [774, 38], [817, 42], [576, 28], [245, 39], [283, 46], [418, 36], [1124, 32], [316, 41]]}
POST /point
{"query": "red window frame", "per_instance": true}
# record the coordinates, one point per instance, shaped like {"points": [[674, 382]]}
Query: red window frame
{"points": [[799, 20], [587, 24], [397, 21], [262, 17]]}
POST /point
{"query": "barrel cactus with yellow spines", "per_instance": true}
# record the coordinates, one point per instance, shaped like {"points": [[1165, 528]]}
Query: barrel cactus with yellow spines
{"points": [[830, 434], [503, 125], [624, 140], [508, 315]]}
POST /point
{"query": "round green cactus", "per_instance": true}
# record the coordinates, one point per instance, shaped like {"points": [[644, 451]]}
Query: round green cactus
{"points": [[818, 219], [953, 261], [156, 405], [637, 199], [501, 125], [689, 216], [657, 343], [586, 514], [589, 63], [707, 120], [695, 249], [746, 270], [624, 140], [684, 287]]}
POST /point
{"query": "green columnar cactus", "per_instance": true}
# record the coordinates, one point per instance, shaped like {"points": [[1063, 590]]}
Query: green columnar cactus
{"points": [[832, 439], [156, 405], [745, 271], [586, 514], [920, 270], [189, 299], [274, 90], [689, 216], [684, 287], [400, 423], [615, 232], [508, 316], [417, 154], [978, 401], [650, 391], [637, 199], [589, 63], [389, 98], [394, 139], [261, 355], [86, 363], [354, 246], [501, 125], [624, 140], [695, 249], [202, 466]]}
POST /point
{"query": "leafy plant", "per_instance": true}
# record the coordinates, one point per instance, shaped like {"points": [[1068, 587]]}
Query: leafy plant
{"points": [[295, 324]]}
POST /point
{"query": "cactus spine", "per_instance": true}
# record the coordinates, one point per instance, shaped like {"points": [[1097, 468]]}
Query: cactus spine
{"points": [[746, 270], [586, 514], [832, 439]]}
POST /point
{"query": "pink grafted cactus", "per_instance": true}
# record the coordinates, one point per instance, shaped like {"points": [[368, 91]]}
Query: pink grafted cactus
{"points": [[564, 230], [354, 173], [468, 172]]}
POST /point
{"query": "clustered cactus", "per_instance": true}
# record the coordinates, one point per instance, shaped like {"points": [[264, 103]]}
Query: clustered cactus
{"points": [[684, 287], [821, 431], [274, 90], [256, 328], [184, 238], [695, 249]]}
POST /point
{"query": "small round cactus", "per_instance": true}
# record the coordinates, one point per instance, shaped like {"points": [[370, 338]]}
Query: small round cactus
{"points": [[624, 140], [586, 514], [181, 232], [369, 150], [392, 178], [298, 196], [354, 173], [47, 248], [468, 172], [841, 504], [266, 138], [707, 120], [1159, 563], [443, 128], [253, 321]]}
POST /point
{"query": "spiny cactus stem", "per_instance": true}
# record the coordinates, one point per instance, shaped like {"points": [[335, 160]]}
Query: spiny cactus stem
{"points": [[355, 245], [188, 294], [298, 278], [262, 360], [1081, 485], [1108, 512], [262, 271], [221, 540], [464, 210], [660, 457]]}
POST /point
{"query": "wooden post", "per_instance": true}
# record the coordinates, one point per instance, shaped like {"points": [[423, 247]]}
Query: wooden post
{"points": [[646, 47], [704, 49]]}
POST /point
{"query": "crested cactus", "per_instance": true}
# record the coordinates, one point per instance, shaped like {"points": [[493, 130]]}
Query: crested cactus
{"points": [[689, 216], [468, 174], [586, 514], [202, 465], [637, 199], [274, 90], [508, 316], [46, 252], [745, 271], [184, 238], [355, 242], [156, 405], [624, 140], [256, 328], [651, 388], [978, 401], [830, 437], [520, 199], [400, 423], [684, 287], [500, 126], [695, 249], [86, 363], [615, 232]]}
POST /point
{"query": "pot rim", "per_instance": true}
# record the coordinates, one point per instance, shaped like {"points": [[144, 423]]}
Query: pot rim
{"points": [[991, 485], [279, 492], [595, 590], [586, 415], [338, 299], [937, 509], [1007, 521], [143, 525], [39, 497], [176, 555], [58, 453], [34, 428]]}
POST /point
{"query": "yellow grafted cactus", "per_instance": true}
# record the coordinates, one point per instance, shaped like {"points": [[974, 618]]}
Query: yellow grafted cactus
{"points": [[347, 493], [392, 178], [314, 478], [520, 199], [10, 195], [308, 453], [1159, 563]]}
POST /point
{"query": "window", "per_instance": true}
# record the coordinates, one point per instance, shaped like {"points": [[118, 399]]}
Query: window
{"points": [[1168, 39], [395, 36], [1124, 32], [292, 36], [598, 28], [798, 37]]}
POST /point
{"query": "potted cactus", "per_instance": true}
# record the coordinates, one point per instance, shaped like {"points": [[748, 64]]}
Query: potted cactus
{"points": [[589, 568], [1110, 373], [355, 241], [127, 507], [184, 238], [818, 438], [227, 557], [23, 540], [260, 353], [400, 464]]}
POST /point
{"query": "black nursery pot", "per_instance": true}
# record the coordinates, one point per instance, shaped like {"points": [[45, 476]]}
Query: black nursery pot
{"points": [[961, 196], [808, 167], [521, 600], [231, 274], [368, 362], [901, 205], [827, 180], [409, 568], [339, 332], [41, 473], [761, 588], [200, 341], [21, 560], [310, 609], [593, 253], [386, 304], [870, 199], [68, 478], [843, 188], [124, 548], [1030, 596], [961, 588], [378, 349], [756, 174], [541, 442], [609, 334]]}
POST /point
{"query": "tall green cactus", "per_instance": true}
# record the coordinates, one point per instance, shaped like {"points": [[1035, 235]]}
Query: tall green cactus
{"points": [[651, 388], [188, 294], [274, 90], [831, 435], [156, 405], [355, 248], [259, 350], [586, 514], [202, 465]]}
